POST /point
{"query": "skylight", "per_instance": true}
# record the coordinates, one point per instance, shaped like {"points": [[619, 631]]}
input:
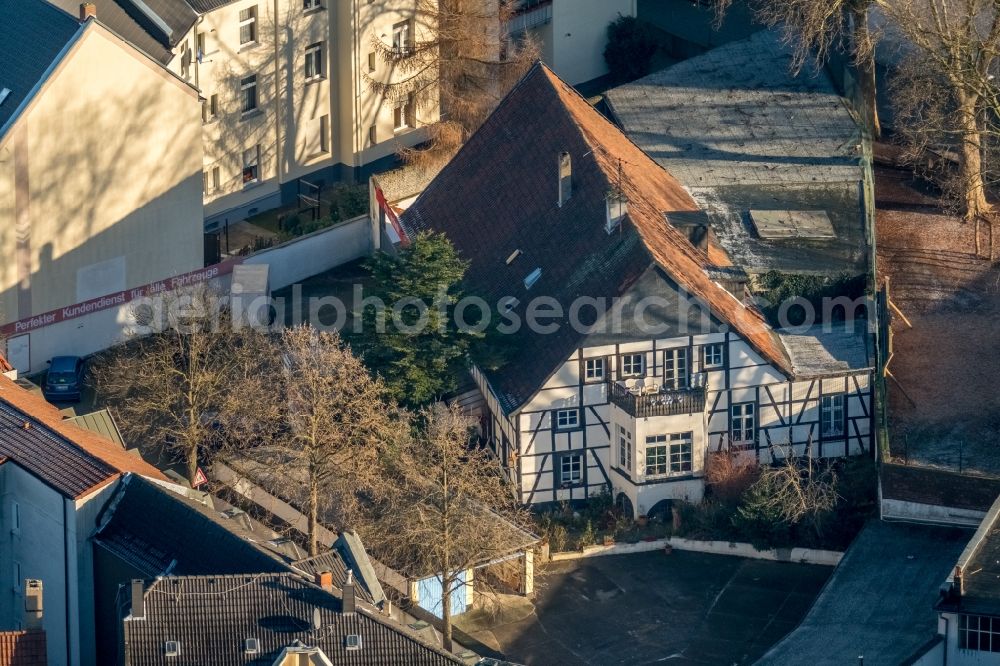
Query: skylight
{"points": [[3, 94], [532, 278]]}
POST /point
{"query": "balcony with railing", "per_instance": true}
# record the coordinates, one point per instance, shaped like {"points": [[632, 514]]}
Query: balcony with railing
{"points": [[660, 402]]}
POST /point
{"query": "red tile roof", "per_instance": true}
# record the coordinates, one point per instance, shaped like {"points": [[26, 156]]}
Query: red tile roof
{"points": [[499, 195], [23, 648], [72, 460]]}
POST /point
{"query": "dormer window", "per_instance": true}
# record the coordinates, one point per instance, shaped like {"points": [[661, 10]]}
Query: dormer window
{"points": [[616, 207], [565, 178]]}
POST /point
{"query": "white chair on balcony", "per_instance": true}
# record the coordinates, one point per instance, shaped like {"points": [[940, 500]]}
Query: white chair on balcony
{"points": [[651, 387], [632, 385]]}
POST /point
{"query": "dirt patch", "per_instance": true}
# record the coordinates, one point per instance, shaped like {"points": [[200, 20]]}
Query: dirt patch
{"points": [[945, 409]]}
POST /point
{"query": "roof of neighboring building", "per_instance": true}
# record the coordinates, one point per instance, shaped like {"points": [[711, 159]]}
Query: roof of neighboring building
{"points": [[741, 132], [102, 423], [70, 459], [211, 617], [937, 487], [975, 579], [829, 348], [33, 34], [879, 602], [113, 16], [160, 532], [23, 648], [499, 194]]}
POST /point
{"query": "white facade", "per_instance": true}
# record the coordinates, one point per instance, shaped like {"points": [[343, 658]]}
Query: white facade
{"points": [[45, 536], [572, 34], [580, 435]]}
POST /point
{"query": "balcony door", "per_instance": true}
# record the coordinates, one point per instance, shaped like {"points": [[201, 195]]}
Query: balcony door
{"points": [[676, 369]]}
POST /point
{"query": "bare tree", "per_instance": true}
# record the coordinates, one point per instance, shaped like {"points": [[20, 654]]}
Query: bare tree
{"points": [[947, 95], [309, 422], [460, 58], [815, 28], [445, 507], [167, 387], [792, 490]]}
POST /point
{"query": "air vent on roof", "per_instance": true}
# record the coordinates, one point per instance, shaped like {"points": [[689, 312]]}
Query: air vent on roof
{"points": [[532, 278], [3, 94], [172, 648], [353, 642], [251, 646]]}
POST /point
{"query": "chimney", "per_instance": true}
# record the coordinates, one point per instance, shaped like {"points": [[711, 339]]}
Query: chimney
{"points": [[138, 608], [32, 604], [88, 10], [325, 580], [565, 178], [348, 602]]}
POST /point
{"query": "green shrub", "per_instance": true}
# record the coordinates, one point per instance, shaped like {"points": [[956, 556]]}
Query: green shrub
{"points": [[630, 48], [587, 537]]}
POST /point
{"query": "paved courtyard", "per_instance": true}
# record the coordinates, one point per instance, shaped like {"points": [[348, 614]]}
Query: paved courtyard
{"points": [[683, 608]]}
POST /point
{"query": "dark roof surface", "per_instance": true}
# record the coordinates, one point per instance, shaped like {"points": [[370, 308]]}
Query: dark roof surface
{"points": [[23, 648], [499, 195], [211, 617], [879, 603], [924, 485], [979, 589], [112, 15], [334, 563], [32, 34], [158, 532], [71, 460]]}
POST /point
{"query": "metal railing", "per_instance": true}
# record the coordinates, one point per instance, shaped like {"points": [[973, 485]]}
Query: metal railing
{"points": [[661, 403]]}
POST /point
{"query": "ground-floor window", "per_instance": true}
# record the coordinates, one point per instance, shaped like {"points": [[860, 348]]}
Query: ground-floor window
{"points": [[832, 416], [979, 632], [743, 422], [668, 454], [570, 469]]}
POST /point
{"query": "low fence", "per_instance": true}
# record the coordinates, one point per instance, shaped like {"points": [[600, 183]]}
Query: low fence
{"points": [[800, 555]]}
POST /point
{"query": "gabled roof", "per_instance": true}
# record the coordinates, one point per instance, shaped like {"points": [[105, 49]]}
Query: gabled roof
{"points": [[212, 616], [159, 533], [71, 460], [23, 648], [112, 15], [33, 35], [499, 194]]}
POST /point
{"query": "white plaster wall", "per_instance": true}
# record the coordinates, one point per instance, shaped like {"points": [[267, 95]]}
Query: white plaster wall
{"points": [[579, 34]]}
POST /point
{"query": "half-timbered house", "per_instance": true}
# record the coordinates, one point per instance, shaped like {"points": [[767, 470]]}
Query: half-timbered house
{"points": [[635, 351]]}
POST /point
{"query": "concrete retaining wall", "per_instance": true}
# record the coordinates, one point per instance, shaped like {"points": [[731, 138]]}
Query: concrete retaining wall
{"points": [[801, 555]]}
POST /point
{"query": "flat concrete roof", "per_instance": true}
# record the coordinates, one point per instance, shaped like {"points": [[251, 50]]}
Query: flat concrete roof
{"points": [[828, 348], [740, 132]]}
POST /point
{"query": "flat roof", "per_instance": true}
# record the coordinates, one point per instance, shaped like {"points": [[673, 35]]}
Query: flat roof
{"points": [[879, 603], [828, 348], [741, 132]]}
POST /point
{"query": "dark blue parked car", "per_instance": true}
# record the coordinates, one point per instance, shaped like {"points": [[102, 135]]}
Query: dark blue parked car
{"points": [[64, 381]]}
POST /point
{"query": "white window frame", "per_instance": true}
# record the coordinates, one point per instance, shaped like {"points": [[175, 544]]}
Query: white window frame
{"points": [[210, 108], [566, 419], [713, 355], [833, 416], [625, 449], [402, 38], [247, 83], [310, 5], [402, 115], [627, 362], [594, 369], [254, 163], [676, 369], [984, 628], [248, 21], [743, 420], [314, 62], [574, 468], [674, 455]]}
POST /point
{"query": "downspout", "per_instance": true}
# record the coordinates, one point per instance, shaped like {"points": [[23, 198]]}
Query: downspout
{"points": [[277, 101], [359, 136], [947, 632], [69, 624]]}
